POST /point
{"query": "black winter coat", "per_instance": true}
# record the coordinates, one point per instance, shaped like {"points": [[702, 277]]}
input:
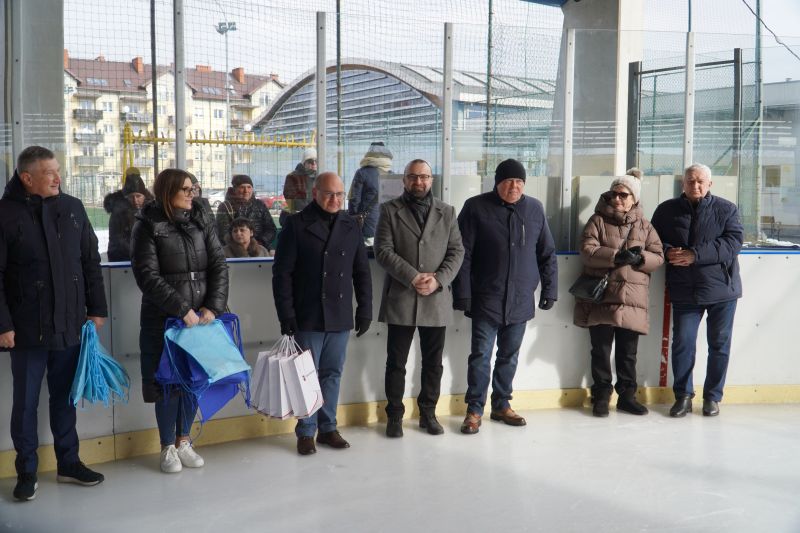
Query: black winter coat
{"points": [[508, 249], [120, 225], [254, 210], [365, 198], [178, 266], [50, 277], [713, 231], [316, 271]]}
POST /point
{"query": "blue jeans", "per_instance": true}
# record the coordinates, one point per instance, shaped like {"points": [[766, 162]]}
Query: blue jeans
{"points": [[329, 350], [509, 339], [719, 324], [174, 415], [28, 369]]}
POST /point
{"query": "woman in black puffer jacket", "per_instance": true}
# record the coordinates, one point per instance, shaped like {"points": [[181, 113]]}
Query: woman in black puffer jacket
{"points": [[179, 265], [122, 205]]}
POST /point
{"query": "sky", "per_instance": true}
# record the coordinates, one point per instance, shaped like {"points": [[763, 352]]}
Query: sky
{"points": [[278, 35]]}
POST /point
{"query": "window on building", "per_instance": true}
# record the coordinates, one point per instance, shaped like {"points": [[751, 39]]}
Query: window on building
{"points": [[108, 128], [219, 113], [772, 176], [86, 104], [88, 150], [108, 106], [108, 151], [198, 112], [162, 109], [219, 156], [198, 153], [99, 82]]}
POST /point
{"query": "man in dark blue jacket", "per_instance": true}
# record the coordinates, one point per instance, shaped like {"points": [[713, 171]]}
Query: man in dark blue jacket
{"points": [[702, 237], [50, 284], [508, 250], [320, 259]]}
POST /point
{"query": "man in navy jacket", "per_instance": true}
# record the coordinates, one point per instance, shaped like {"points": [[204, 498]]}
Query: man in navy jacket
{"points": [[508, 250], [319, 261], [702, 237], [50, 284]]}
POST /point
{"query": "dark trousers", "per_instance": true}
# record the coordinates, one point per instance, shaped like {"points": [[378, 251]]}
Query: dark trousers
{"points": [[626, 343], [719, 330], [28, 369], [398, 343]]}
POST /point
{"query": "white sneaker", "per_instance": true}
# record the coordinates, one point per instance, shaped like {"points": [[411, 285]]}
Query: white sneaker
{"points": [[188, 456], [170, 463]]}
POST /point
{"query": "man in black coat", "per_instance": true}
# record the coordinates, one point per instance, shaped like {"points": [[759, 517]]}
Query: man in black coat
{"points": [[702, 237], [508, 250], [319, 261], [50, 284]]}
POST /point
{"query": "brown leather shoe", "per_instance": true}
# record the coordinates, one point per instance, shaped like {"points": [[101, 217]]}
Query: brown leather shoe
{"points": [[305, 446], [332, 439], [471, 424], [508, 416]]}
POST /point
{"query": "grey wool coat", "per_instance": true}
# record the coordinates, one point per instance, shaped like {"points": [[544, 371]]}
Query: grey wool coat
{"points": [[403, 250]]}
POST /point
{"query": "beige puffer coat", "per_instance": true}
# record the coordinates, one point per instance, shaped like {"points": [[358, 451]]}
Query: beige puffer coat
{"points": [[625, 303]]}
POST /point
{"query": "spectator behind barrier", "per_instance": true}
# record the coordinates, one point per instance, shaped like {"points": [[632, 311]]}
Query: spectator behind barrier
{"points": [[240, 241]]}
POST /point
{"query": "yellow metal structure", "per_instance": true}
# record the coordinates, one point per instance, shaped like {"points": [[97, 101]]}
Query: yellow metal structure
{"points": [[129, 139]]}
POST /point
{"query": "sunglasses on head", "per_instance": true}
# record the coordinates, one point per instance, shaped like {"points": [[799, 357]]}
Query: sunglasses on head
{"points": [[620, 195]]}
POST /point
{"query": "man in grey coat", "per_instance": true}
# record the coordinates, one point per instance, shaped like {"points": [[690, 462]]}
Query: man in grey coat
{"points": [[419, 245]]}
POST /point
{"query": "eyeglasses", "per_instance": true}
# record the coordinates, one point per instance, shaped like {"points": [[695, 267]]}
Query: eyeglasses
{"points": [[620, 195], [310, 161], [329, 194], [188, 191], [419, 177]]}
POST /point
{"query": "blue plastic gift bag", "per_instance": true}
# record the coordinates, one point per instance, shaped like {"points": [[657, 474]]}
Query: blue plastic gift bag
{"points": [[205, 361], [98, 376]]}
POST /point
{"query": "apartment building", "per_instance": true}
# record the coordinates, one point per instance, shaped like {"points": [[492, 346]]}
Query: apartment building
{"points": [[102, 97]]}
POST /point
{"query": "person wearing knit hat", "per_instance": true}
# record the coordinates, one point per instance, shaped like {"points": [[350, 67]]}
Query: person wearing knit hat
{"points": [[632, 180], [618, 242], [240, 202], [508, 250], [122, 206], [298, 184], [365, 188]]}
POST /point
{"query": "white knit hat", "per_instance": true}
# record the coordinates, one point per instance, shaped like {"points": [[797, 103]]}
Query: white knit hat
{"points": [[309, 153], [632, 181]]}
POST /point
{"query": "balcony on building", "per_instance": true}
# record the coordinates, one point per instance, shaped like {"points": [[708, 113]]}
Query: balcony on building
{"points": [[88, 137], [143, 162], [238, 123], [89, 161], [88, 93], [136, 118], [88, 114]]}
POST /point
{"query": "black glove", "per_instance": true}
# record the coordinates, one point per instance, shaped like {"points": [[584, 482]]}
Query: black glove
{"points": [[463, 304], [289, 326], [629, 257], [546, 303], [362, 325]]}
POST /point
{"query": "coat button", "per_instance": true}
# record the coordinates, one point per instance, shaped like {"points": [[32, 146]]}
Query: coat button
{"points": [[323, 295], [326, 252], [324, 274], [340, 295], [341, 274], [342, 252], [421, 265]]}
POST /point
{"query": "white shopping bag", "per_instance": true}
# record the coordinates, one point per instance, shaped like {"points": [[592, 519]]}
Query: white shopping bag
{"points": [[259, 384], [279, 406], [305, 393]]}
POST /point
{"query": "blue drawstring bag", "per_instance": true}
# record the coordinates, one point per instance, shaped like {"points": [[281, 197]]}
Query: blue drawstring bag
{"points": [[98, 378], [206, 362]]}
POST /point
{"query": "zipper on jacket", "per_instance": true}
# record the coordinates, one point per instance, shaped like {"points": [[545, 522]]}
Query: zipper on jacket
{"points": [[39, 287]]}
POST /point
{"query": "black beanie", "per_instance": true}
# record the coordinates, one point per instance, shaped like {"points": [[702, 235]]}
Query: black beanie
{"points": [[241, 179], [510, 168], [134, 183]]}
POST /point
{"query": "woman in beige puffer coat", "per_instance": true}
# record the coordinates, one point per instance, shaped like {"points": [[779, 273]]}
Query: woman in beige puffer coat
{"points": [[618, 239]]}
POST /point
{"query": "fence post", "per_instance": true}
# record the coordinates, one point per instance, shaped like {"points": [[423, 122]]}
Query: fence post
{"points": [[447, 110], [634, 102], [566, 184], [688, 119], [180, 77], [321, 90]]}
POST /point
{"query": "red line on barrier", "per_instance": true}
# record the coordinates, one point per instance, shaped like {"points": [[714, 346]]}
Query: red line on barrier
{"points": [[665, 330]]}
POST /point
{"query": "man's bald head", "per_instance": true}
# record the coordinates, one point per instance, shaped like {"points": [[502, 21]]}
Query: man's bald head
{"points": [[328, 192]]}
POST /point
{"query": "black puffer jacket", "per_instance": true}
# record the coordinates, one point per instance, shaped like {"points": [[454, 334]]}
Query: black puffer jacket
{"points": [[253, 210], [178, 266], [50, 277], [120, 225]]}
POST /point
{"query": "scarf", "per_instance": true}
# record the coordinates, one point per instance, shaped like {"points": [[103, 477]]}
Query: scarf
{"points": [[420, 207], [381, 163]]}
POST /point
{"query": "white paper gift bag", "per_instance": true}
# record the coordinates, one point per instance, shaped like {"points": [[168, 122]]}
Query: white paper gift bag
{"points": [[259, 384], [305, 393]]}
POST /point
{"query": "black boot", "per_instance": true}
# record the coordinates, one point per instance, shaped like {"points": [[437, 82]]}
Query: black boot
{"points": [[681, 406], [628, 403], [428, 422], [600, 401]]}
